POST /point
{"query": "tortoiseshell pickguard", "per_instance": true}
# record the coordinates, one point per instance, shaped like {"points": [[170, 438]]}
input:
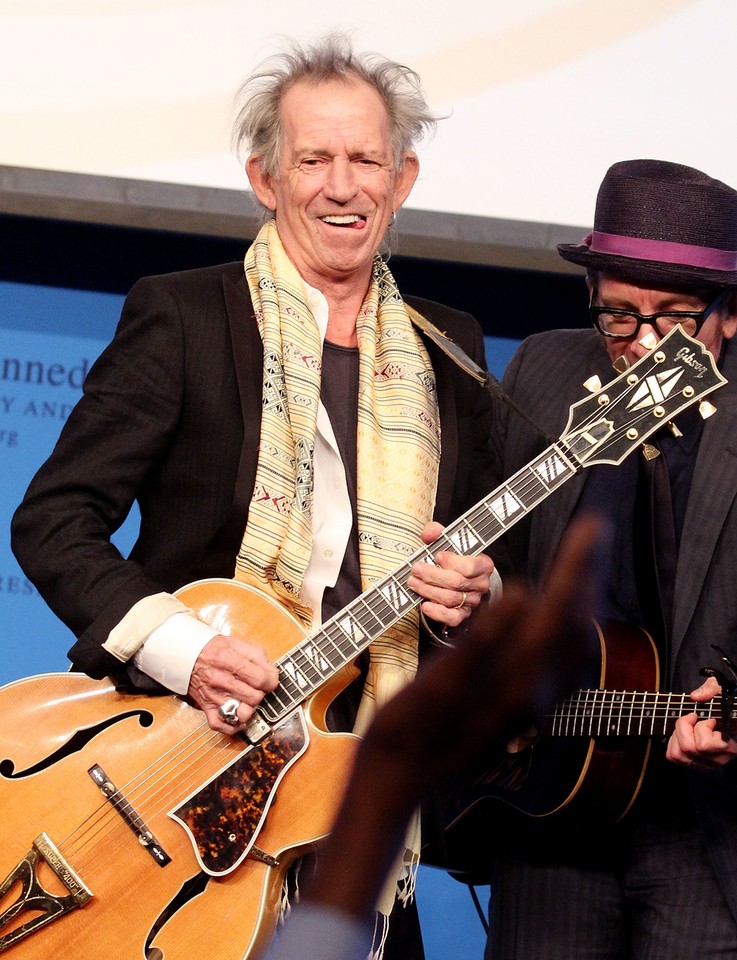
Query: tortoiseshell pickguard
{"points": [[225, 816]]}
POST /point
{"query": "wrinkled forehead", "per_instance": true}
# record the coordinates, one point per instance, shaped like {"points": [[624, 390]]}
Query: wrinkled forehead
{"points": [[344, 113]]}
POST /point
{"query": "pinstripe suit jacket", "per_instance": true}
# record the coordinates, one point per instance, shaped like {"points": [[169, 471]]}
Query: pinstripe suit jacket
{"points": [[170, 417], [544, 378]]}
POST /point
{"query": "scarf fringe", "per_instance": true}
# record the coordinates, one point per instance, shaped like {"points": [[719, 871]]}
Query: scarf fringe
{"points": [[287, 899], [381, 932], [406, 885]]}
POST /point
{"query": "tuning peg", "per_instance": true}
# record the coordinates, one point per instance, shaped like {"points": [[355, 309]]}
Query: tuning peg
{"points": [[621, 364], [649, 341], [706, 409], [592, 384], [673, 427]]}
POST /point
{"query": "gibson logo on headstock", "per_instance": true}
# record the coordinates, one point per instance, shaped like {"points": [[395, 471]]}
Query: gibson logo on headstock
{"points": [[689, 358]]}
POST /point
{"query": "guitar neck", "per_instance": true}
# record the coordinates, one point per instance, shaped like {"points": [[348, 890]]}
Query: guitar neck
{"points": [[603, 428], [337, 642], [617, 713]]}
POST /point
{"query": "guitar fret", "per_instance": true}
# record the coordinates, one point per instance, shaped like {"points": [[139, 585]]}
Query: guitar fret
{"points": [[611, 723], [648, 713], [395, 598], [465, 540], [674, 711], [595, 699], [631, 716], [352, 631], [506, 506], [595, 712], [653, 704], [293, 679], [311, 666], [370, 617], [279, 702], [589, 699], [667, 709], [602, 726], [553, 468], [344, 649], [489, 525]]}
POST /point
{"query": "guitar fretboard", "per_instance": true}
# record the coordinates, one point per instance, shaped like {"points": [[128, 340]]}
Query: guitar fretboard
{"points": [[590, 713], [304, 669]]}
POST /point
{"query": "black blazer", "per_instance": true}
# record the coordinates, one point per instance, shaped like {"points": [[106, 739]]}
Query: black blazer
{"points": [[170, 417]]}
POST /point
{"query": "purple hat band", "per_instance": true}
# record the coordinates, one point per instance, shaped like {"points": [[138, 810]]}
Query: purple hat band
{"points": [[661, 251]]}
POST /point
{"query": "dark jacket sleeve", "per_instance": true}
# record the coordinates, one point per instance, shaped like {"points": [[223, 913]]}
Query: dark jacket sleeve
{"points": [[149, 426]]}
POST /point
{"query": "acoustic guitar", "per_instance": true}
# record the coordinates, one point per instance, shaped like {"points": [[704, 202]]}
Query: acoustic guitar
{"points": [[131, 830], [584, 762]]}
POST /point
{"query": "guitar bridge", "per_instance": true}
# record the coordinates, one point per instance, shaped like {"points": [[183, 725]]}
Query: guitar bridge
{"points": [[129, 816], [34, 898]]}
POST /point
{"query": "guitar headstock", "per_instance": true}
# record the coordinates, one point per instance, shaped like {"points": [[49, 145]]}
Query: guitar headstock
{"points": [[608, 425]]}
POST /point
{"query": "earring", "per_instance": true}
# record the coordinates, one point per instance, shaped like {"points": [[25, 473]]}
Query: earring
{"points": [[393, 218]]}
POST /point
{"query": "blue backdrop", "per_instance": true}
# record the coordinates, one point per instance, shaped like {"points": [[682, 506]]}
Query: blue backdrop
{"points": [[49, 337]]}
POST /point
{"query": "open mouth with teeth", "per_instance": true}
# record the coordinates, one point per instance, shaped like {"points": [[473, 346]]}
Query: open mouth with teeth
{"points": [[345, 220]]}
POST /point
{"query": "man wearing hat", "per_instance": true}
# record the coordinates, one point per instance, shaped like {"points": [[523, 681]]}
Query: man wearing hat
{"points": [[661, 883]]}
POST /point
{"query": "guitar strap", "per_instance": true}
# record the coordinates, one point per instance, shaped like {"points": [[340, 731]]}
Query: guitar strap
{"points": [[449, 347], [485, 377]]}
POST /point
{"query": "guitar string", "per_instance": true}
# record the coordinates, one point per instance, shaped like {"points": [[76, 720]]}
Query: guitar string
{"points": [[180, 772], [89, 829], [163, 801], [588, 708]]}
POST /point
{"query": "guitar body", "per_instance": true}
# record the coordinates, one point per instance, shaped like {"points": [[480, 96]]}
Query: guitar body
{"points": [[542, 774], [207, 799]]}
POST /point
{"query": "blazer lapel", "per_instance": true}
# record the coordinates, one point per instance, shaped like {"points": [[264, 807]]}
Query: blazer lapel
{"points": [[713, 491], [553, 515], [449, 430], [248, 359]]}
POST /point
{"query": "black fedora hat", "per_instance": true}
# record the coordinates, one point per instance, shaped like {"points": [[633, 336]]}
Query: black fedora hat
{"points": [[661, 223]]}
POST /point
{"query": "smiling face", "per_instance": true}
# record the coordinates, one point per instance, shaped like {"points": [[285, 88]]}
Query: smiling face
{"points": [[337, 184], [621, 294]]}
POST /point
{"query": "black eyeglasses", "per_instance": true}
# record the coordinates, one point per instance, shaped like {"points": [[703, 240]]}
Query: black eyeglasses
{"points": [[624, 324]]}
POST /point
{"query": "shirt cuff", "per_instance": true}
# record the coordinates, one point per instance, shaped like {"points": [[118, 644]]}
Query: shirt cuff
{"points": [[171, 650], [163, 637]]}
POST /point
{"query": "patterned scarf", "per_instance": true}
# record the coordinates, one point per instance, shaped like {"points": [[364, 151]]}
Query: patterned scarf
{"points": [[398, 449]]}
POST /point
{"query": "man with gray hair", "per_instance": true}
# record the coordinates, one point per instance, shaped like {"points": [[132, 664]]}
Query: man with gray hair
{"points": [[283, 421]]}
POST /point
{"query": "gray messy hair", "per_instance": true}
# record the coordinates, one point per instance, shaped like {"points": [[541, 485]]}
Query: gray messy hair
{"points": [[257, 128]]}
